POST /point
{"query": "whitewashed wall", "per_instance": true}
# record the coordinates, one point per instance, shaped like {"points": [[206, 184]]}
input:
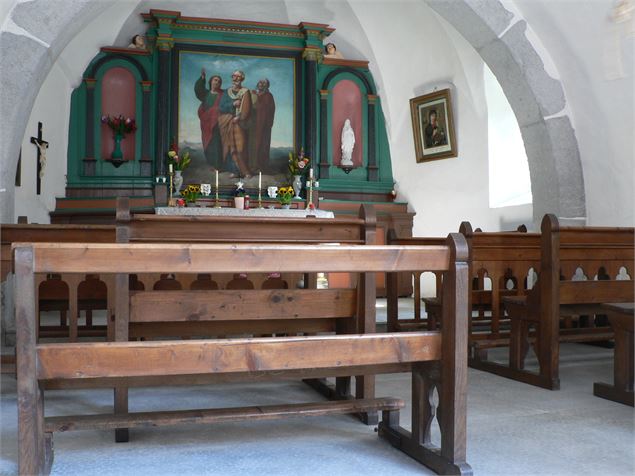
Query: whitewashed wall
{"points": [[580, 37]]}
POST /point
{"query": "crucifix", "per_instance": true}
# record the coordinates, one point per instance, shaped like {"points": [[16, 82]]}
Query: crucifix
{"points": [[41, 145]]}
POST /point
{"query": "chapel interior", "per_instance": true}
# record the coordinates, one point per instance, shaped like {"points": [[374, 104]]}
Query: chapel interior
{"points": [[317, 237]]}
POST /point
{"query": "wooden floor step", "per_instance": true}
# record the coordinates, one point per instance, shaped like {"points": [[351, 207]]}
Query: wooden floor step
{"points": [[166, 418]]}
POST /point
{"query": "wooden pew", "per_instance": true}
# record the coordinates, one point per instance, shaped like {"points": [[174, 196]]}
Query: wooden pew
{"points": [[598, 252], [394, 323], [500, 256], [66, 294], [505, 258], [147, 228], [71, 294], [436, 359], [234, 310]]}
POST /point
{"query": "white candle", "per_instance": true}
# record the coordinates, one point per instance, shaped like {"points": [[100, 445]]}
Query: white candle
{"points": [[311, 173], [217, 180], [259, 180], [170, 168]]}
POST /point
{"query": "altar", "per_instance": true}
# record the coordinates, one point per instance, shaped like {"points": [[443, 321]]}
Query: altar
{"points": [[236, 212]]}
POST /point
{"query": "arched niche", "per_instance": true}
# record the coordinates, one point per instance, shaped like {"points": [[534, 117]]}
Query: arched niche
{"points": [[347, 94], [118, 98], [114, 84]]}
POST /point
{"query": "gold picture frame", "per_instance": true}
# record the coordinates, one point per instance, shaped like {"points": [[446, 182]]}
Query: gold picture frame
{"points": [[433, 126]]}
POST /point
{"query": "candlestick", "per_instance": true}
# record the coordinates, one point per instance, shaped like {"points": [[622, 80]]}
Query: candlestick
{"points": [[311, 173], [170, 168], [259, 189], [309, 186], [216, 204], [259, 180], [171, 174]]}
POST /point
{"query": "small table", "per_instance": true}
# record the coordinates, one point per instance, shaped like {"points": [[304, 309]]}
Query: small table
{"points": [[621, 317]]}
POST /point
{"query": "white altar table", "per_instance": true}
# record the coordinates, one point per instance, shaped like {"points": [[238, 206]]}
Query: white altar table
{"points": [[235, 212]]}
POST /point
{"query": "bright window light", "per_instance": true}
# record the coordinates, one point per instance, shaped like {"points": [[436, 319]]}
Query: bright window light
{"points": [[509, 182]]}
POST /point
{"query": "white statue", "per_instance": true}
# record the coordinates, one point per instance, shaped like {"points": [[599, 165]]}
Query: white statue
{"points": [[42, 146], [348, 143]]}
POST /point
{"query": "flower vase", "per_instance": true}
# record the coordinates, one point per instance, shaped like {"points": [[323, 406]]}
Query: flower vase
{"points": [[239, 202], [116, 158], [297, 185], [117, 153], [178, 182], [285, 206]]}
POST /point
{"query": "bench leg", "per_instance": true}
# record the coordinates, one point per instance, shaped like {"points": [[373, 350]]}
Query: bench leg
{"points": [[48, 452], [518, 343], [364, 389], [34, 451], [121, 406], [450, 458]]}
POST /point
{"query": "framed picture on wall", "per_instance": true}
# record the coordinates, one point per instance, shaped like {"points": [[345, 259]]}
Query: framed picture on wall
{"points": [[235, 110], [433, 126]]}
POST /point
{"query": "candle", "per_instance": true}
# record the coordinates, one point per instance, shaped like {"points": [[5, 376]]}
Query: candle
{"points": [[259, 180], [217, 180], [311, 173], [170, 168]]}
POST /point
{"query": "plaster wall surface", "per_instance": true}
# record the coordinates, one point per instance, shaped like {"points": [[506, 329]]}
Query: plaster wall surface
{"points": [[594, 58], [432, 55], [52, 108]]}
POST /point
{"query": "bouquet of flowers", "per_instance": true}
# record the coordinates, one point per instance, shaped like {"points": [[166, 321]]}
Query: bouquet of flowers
{"points": [[119, 124], [179, 162], [285, 195], [298, 164], [191, 193]]}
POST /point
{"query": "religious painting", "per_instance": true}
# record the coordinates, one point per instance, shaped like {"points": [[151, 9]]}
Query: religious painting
{"points": [[433, 126], [236, 114]]}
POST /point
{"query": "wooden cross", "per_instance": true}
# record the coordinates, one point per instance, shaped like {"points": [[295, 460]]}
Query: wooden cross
{"points": [[41, 145]]}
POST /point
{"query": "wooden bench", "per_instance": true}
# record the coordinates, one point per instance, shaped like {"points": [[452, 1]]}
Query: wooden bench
{"points": [[235, 306], [621, 316], [506, 259], [599, 253], [394, 322], [503, 257], [436, 359], [70, 294], [146, 228]]}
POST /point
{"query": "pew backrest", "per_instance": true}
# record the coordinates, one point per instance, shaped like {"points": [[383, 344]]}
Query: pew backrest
{"points": [[595, 254]]}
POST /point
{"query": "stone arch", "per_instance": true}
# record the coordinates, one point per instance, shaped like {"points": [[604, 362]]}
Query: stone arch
{"points": [[536, 98]]}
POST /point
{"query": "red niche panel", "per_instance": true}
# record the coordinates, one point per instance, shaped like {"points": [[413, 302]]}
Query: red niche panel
{"points": [[347, 104], [118, 96]]}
